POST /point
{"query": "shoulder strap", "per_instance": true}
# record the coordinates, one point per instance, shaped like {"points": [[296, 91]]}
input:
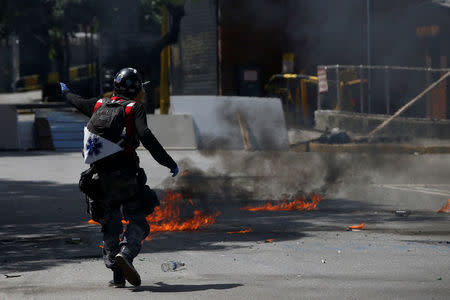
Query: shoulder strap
{"points": [[128, 105], [98, 104], [129, 118]]}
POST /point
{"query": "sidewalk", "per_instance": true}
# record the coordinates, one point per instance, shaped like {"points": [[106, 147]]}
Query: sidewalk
{"points": [[21, 98], [304, 140]]}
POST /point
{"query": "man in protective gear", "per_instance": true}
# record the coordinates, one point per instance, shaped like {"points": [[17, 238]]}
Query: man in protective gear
{"points": [[115, 184]]}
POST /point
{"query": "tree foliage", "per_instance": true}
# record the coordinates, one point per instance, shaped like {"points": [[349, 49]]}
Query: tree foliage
{"points": [[53, 22], [152, 14]]}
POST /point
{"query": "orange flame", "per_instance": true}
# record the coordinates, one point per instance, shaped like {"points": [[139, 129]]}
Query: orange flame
{"points": [[167, 217], [124, 222], [360, 226], [445, 208], [296, 204], [240, 231], [270, 240]]}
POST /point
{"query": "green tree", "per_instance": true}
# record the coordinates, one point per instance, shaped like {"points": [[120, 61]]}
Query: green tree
{"points": [[52, 23]]}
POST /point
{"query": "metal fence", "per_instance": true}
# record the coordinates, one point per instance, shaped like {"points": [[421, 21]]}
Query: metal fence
{"points": [[382, 90]]}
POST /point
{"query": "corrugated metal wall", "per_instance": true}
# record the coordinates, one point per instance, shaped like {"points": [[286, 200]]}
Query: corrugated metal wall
{"points": [[194, 57], [66, 128]]}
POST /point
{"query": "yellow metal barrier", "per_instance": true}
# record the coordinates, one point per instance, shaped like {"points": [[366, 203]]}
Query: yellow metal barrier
{"points": [[77, 73], [294, 97]]}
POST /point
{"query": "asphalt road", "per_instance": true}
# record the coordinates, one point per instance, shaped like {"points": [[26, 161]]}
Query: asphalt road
{"points": [[49, 252]]}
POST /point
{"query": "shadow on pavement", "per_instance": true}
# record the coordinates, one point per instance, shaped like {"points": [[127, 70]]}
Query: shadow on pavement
{"points": [[162, 287], [43, 224]]}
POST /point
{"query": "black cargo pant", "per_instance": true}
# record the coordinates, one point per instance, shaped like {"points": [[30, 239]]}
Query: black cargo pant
{"points": [[133, 209], [128, 241]]}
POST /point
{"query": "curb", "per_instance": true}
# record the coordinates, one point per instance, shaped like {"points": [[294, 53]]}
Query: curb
{"points": [[370, 148]]}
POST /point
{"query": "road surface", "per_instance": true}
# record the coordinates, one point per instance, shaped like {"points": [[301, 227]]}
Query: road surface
{"points": [[49, 251]]}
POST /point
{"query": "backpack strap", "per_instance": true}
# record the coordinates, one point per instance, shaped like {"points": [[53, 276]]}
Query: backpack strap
{"points": [[129, 121], [129, 118], [97, 105]]}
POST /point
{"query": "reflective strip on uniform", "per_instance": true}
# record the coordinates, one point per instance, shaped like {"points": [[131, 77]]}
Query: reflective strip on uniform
{"points": [[97, 105]]}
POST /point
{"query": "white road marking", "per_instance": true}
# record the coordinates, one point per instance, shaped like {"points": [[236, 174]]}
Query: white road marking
{"points": [[432, 189]]}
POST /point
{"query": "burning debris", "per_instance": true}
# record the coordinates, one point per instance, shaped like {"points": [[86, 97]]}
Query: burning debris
{"points": [[298, 203], [168, 216], [357, 227], [445, 208], [240, 231]]}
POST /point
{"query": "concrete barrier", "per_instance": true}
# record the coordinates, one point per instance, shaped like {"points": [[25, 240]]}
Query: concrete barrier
{"points": [[8, 125], [62, 130], [217, 124], [26, 132], [174, 132], [358, 123]]}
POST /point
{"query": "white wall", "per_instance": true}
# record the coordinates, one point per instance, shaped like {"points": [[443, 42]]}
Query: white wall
{"points": [[217, 126]]}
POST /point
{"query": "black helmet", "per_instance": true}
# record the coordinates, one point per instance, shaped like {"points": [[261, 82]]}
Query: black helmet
{"points": [[127, 83]]}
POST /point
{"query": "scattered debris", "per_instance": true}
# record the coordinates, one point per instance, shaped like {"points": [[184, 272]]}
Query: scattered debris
{"points": [[445, 208], [240, 231], [402, 213], [270, 240], [12, 276], [324, 260], [335, 137], [7, 242], [73, 241], [172, 266], [357, 227]]}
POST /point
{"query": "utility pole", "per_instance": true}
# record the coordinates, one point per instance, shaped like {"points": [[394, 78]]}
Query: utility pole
{"points": [[369, 56], [165, 54]]}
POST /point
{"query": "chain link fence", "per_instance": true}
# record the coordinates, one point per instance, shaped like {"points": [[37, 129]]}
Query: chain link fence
{"points": [[382, 90]]}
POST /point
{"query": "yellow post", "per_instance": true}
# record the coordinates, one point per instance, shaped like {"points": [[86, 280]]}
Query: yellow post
{"points": [[164, 79], [304, 91]]}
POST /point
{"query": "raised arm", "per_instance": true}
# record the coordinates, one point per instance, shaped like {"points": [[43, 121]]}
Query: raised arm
{"points": [[150, 142], [86, 106]]}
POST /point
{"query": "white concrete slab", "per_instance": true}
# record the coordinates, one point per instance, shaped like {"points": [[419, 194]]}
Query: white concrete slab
{"points": [[217, 126], [174, 132], [26, 132]]}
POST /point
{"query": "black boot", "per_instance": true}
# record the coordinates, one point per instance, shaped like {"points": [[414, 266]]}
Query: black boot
{"points": [[118, 279], [126, 265]]}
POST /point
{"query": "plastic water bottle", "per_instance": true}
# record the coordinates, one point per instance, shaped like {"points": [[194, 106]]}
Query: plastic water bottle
{"points": [[172, 266]]}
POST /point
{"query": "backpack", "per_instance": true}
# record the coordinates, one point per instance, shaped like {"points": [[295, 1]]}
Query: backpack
{"points": [[112, 119]]}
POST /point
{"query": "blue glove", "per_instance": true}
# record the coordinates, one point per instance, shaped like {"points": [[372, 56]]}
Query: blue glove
{"points": [[64, 87], [174, 171]]}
